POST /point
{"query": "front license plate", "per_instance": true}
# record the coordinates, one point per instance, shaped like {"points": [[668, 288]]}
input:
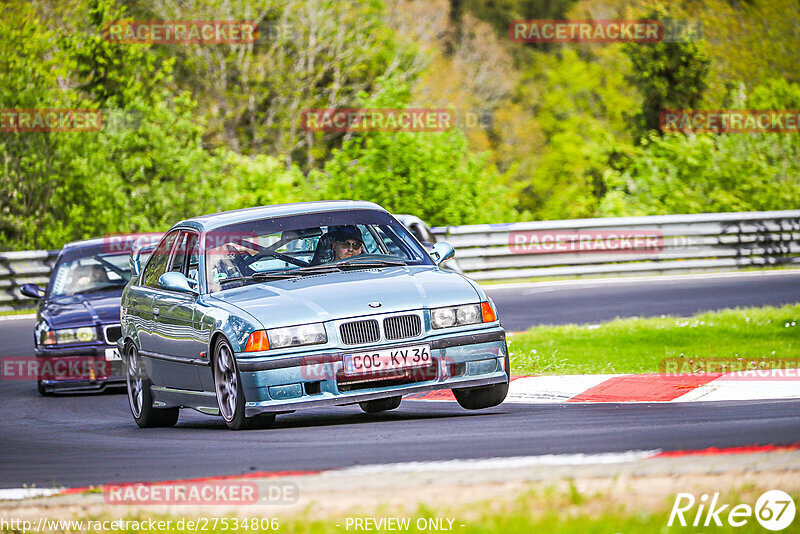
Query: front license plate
{"points": [[361, 363], [112, 354]]}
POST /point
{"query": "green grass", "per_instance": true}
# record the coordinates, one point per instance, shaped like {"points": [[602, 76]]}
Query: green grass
{"points": [[545, 511], [639, 345], [17, 312]]}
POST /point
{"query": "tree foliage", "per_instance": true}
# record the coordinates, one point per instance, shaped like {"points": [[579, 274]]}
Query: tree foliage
{"points": [[432, 175]]}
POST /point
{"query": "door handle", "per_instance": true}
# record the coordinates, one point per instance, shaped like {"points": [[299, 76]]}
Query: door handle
{"points": [[156, 311]]}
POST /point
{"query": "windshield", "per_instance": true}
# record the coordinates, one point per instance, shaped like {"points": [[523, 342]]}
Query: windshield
{"points": [[90, 273], [301, 245]]}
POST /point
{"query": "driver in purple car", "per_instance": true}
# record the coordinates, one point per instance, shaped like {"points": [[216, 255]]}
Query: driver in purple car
{"points": [[346, 242]]}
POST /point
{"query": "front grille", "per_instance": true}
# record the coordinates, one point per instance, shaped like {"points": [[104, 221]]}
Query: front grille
{"points": [[402, 326], [112, 333], [360, 332]]}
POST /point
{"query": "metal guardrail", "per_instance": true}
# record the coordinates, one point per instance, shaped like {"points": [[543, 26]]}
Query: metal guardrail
{"points": [[626, 245], [571, 248], [18, 268]]}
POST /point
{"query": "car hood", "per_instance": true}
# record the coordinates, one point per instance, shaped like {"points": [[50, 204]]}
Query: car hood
{"points": [[349, 294], [78, 310]]}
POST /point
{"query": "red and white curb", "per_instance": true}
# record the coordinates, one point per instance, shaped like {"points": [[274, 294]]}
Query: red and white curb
{"points": [[739, 386]]}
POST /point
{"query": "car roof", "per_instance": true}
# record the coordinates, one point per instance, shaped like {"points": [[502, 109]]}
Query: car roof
{"points": [[216, 220], [109, 245]]}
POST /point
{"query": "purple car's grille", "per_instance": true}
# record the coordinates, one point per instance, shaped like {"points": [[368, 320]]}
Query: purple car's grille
{"points": [[402, 326], [112, 333], [360, 332]]}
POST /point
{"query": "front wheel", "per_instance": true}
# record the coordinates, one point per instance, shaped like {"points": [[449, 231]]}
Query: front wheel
{"points": [[140, 398], [483, 396], [230, 396], [381, 405]]}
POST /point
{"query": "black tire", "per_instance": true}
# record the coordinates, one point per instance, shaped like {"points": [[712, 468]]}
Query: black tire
{"points": [[230, 395], [381, 405], [140, 398], [483, 396], [43, 391]]}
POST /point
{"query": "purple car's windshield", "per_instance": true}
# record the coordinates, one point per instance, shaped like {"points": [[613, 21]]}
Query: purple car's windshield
{"points": [[299, 245], [89, 274]]}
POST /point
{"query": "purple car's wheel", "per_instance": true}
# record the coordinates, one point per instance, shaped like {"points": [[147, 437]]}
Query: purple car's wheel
{"points": [[140, 398], [230, 396]]}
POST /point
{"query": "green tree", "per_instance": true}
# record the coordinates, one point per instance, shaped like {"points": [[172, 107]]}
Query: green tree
{"points": [[431, 175], [669, 75]]}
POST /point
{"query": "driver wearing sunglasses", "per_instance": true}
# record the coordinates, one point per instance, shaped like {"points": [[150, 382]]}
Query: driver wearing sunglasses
{"points": [[347, 242]]}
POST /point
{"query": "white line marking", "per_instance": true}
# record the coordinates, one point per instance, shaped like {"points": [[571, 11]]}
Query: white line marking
{"points": [[636, 279], [508, 463], [17, 317], [16, 494]]}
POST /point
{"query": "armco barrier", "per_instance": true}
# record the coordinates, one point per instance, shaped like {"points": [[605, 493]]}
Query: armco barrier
{"points": [[626, 245], [572, 248], [18, 268]]}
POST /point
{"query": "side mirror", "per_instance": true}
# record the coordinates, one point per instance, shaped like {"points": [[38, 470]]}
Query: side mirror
{"points": [[173, 281], [31, 290], [442, 251]]}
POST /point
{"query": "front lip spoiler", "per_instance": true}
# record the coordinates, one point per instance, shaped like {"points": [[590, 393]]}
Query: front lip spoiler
{"points": [[78, 386], [345, 398], [316, 359]]}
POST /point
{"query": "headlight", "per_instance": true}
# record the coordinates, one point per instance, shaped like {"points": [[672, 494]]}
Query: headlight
{"points": [[290, 336], [456, 315], [84, 334]]}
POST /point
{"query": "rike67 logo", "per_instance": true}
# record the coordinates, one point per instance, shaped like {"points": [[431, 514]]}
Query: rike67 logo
{"points": [[774, 510]]}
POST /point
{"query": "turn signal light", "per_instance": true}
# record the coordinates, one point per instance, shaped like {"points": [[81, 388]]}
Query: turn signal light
{"points": [[257, 341], [49, 338], [488, 313]]}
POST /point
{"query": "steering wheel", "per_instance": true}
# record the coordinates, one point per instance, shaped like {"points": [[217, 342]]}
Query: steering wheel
{"points": [[277, 255]]}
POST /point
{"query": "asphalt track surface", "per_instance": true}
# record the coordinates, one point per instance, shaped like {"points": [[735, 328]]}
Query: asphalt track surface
{"points": [[79, 440]]}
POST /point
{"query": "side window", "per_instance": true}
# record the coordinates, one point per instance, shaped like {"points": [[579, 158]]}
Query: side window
{"points": [[158, 261], [186, 242], [194, 257]]}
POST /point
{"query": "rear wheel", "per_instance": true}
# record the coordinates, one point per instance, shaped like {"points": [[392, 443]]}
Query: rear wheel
{"points": [[381, 405], [230, 396], [483, 396], [140, 398]]}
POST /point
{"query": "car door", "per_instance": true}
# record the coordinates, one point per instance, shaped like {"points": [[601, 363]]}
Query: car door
{"points": [[176, 341], [142, 295]]}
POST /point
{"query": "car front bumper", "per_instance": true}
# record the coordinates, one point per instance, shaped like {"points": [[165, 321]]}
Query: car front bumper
{"points": [[290, 383], [84, 368]]}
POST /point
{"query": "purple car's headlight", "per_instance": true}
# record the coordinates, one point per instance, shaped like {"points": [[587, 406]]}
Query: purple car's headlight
{"points": [[84, 334]]}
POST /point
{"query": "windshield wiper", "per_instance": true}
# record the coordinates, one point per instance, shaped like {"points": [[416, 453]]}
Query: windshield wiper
{"points": [[317, 269], [370, 263], [261, 277]]}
